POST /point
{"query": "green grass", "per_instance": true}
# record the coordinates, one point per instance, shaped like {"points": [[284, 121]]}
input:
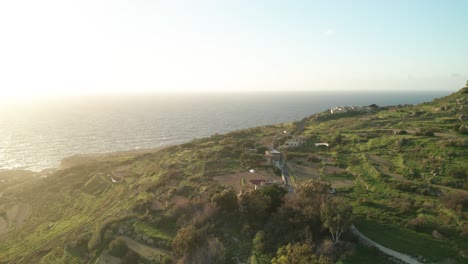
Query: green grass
{"points": [[96, 185], [364, 254], [151, 231], [81, 199], [339, 176], [407, 241], [145, 251]]}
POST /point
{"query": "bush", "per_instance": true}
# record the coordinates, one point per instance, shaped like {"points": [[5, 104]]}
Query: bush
{"points": [[458, 173], [130, 258], [225, 200], [455, 201], [185, 241], [419, 224], [313, 158], [464, 232], [425, 132], [118, 247], [292, 155]]}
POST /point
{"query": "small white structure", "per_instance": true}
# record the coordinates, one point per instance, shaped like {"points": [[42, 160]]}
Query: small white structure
{"points": [[345, 109], [321, 145], [338, 110], [252, 171]]}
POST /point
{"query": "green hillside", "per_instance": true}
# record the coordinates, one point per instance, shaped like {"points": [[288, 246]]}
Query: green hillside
{"points": [[401, 169]]}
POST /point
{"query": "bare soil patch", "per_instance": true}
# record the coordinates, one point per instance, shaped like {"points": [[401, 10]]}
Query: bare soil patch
{"points": [[332, 170], [337, 184], [302, 172], [234, 179]]}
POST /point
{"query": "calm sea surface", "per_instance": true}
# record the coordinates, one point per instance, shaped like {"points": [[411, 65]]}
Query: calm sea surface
{"points": [[38, 135]]}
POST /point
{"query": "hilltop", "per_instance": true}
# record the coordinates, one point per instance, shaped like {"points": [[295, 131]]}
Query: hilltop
{"points": [[401, 170]]}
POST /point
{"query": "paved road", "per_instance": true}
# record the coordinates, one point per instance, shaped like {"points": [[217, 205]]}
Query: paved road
{"points": [[387, 251]]}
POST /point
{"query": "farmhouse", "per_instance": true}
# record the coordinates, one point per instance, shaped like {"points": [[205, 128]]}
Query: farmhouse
{"points": [[346, 109], [273, 157], [294, 142]]}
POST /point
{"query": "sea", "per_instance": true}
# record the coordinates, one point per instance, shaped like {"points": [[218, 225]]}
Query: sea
{"points": [[36, 135]]}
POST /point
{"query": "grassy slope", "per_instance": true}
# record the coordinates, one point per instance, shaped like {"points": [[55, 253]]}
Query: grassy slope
{"points": [[75, 206]]}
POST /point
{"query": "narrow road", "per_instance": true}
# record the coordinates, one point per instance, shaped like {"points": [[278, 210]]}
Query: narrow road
{"points": [[387, 251]]}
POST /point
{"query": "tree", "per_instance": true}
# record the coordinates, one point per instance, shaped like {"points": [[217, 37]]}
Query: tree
{"points": [[336, 215], [255, 207], [298, 253], [261, 150], [314, 192], [225, 200], [211, 252], [243, 182], [185, 241], [311, 195], [259, 242], [276, 194]]}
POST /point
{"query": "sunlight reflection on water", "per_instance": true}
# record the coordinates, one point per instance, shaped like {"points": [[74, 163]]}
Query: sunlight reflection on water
{"points": [[38, 136]]}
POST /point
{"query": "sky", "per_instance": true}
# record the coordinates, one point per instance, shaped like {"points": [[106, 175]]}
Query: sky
{"points": [[63, 47]]}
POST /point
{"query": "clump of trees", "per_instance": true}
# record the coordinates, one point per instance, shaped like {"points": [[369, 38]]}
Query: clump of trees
{"points": [[282, 228], [193, 247], [298, 253]]}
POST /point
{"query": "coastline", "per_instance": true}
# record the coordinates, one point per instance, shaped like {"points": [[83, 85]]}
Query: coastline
{"points": [[68, 161], [83, 158]]}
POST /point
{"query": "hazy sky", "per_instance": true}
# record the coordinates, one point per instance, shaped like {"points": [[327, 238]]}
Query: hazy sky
{"points": [[93, 46]]}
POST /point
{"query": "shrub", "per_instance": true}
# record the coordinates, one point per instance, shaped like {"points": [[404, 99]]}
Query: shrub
{"points": [[458, 173], [225, 200], [455, 200], [131, 258], [118, 247], [419, 224], [425, 132], [185, 241], [313, 158], [464, 232]]}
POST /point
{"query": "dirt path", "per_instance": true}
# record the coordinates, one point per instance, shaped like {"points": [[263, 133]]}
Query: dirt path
{"points": [[387, 251]]}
